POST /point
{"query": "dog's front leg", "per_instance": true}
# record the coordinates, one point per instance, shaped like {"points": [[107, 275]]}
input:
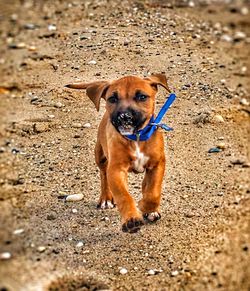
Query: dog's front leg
{"points": [[117, 180], [151, 190]]}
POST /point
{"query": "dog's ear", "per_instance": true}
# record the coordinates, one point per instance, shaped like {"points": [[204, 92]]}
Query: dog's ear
{"points": [[95, 90], [158, 79]]}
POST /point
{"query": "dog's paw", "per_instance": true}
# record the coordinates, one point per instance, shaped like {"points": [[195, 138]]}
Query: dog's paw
{"points": [[152, 216], [106, 204], [132, 225]]}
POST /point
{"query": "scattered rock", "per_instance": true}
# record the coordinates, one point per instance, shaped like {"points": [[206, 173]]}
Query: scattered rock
{"points": [[18, 231], [41, 127], [51, 216], [218, 118], [20, 45], [58, 105], [79, 244], [123, 271], [221, 145], [202, 118], [74, 210], [174, 273], [41, 249], [244, 102], [244, 11], [5, 256], [226, 37], [151, 272], [87, 125], [74, 197], [76, 125], [92, 62], [30, 26], [239, 35], [51, 27]]}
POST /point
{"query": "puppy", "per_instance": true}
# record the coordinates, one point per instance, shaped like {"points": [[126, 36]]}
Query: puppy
{"points": [[130, 105]]}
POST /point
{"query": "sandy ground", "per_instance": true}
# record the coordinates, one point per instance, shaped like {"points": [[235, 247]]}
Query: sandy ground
{"points": [[202, 241]]}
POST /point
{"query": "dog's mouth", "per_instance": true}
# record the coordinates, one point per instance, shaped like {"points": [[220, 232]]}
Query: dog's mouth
{"points": [[127, 122], [126, 129]]}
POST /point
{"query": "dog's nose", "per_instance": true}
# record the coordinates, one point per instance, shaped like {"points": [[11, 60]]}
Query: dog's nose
{"points": [[126, 117]]}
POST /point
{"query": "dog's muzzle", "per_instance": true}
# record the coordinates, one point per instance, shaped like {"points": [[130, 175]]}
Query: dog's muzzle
{"points": [[128, 121]]}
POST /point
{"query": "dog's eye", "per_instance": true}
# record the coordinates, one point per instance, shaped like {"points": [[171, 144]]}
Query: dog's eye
{"points": [[113, 99], [141, 97]]}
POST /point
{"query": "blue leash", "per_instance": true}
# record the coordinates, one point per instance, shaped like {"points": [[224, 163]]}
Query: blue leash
{"points": [[145, 133]]}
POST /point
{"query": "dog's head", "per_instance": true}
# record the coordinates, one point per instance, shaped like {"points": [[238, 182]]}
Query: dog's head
{"points": [[130, 101]]}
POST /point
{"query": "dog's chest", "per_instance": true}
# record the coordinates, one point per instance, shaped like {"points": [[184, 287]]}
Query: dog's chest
{"points": [[140, 161]]}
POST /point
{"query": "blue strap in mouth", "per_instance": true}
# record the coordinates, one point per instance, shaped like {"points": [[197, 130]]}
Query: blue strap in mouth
{"points": [[145, 133]]}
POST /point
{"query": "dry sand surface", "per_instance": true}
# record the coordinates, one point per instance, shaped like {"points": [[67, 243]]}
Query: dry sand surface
{"points": [[48, 133]]}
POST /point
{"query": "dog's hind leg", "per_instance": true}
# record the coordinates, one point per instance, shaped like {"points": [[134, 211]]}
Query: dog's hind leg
{"points": [[106, 199]]}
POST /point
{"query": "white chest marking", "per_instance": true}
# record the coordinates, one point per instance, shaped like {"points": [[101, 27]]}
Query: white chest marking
{"points": [[141, 159]]}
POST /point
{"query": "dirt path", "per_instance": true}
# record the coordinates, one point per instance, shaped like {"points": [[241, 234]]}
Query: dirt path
{"points": [[202, 241]]}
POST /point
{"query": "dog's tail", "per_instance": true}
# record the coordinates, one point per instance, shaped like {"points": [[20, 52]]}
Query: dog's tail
{"points": [[77, 86]]}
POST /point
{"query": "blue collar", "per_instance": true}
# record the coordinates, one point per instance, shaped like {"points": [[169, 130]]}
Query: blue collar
{"points": [[145, 133]]}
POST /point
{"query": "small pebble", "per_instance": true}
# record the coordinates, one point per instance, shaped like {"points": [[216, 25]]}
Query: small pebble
{"points": [[76, 125], [227, 38], [58, 105], [243, 70], [18, 231], [87, 125], [123, 271], [41, 127], [19, 45], [79, 244], [51, 27], [244, 11], [74, 210], [93, 62], [244, 102], [41, 249], [5, 256], [74, 197], [30, 26], [174, 273], [32, 48], [151, 272], [239, 35], [221, 145], [218, 118]]}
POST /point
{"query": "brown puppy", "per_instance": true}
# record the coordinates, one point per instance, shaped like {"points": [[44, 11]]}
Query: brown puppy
{"points": [[130, 103]]}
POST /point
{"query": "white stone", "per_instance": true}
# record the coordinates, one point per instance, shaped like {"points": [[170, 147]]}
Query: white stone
{"points": [[151, 272], [218, 118], [244, 11], [87, 125], [51, 27], [41, 249], [79, 244], [226, 37], [5, 256], [123, 271], [240, 35], [174, 273], [244, 101], [18, 231], [74, 197], [92, 62]]}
